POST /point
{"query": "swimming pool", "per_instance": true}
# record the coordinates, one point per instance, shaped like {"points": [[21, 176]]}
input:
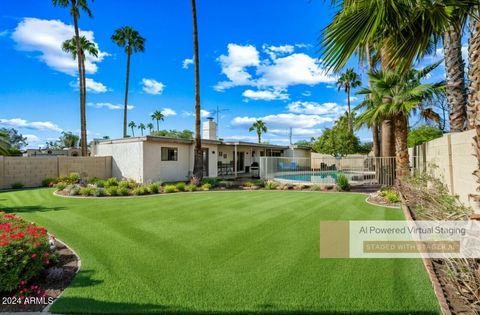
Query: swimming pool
{"points": [[322, 177]]}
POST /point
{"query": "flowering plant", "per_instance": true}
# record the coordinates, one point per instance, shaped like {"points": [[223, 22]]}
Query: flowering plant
{"points": [[24, 251]]}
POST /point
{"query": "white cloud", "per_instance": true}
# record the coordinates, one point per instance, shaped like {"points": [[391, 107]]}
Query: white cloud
{"points": [[352, 99], [187, 62], [46, 37], [235, 64], [274, 51], [168, 112], [284, 120], [32, 138], [110, 106], [204, 113], [151, 86], [22, 123], [297, 132], [92, 86], [329, 109], [265, 95], [307, 93]]}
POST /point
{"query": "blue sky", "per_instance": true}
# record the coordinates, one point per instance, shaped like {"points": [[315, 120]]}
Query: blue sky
{"points": [[259, 59]]}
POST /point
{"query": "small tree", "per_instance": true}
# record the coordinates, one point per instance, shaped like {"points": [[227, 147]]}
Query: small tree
{"points": [[423, 134], [141, 127], [158, 116], [259, 127], [132, 125], [150, 127]]}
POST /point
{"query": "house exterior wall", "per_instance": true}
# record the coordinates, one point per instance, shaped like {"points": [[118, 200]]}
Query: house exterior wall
{"points": [[156, 170], [212, 158], [127, 158]]}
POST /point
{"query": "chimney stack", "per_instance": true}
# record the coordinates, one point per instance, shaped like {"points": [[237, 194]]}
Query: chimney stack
{"points": [[209, 129]]}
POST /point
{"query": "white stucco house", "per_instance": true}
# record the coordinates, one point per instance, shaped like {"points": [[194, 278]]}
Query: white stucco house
{"points": [[150, 158]]}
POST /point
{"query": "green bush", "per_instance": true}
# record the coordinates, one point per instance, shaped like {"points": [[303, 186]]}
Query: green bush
{"points": [[24, 251], [206, 186], [191, 187], [100, 183], [124, 184], [99, 192], [169, 189], [210, 180], [248, 184], [87, 191], [49, 181], [61, 186], [270, 185], [112, 190], [93, 180], [392, 196], [154, 188], [73, 177], [123, 191], [140, 190], [17, 186], [180, 186], [342, 182], [73, 190], [316, 188], [132, 184], [259, 182], [112, 181]]}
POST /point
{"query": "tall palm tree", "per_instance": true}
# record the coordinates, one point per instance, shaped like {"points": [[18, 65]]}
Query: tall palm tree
{"points": [[142, 127], [347, 81], [259, 127], [396, 96], [150, 127], [473, 72], [132, 125], [198, 153], [131, 40], [75, 7], [158, 116], [4, 143]]}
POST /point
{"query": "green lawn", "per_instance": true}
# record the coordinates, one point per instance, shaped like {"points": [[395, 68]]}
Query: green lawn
{"points": [[234, 252]]}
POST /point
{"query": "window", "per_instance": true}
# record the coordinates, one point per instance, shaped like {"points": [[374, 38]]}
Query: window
{"points": [[169, 154]]}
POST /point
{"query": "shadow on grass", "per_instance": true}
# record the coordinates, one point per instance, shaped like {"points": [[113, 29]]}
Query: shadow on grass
{"points": [[84, 279], [73, 305], [26, 209]]}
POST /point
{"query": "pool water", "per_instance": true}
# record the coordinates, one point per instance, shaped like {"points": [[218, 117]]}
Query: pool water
{"points": [[312, 177]]}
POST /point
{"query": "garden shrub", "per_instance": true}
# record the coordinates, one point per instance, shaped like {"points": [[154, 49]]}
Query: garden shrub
{"points": [[132, 184], [74, 177], [61, 186], [140, 190], [180, 186], [93, 180], [248, 184], [195, 181], [17, 186], [87, 191], [100, 183], [206, 186], [112, 190], [271, 185], [72, 190], [191, 187], [210, 180], [49, 181], [99, 192], [169, 189], [24, 251], [154, 188], [392, 196], [259, 183], [316, 188], [124, 184], [112, 181], [342, 182], [123, 191]]}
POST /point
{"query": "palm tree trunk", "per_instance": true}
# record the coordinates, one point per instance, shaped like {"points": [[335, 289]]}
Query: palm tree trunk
{"points": [[259, 137], [82, 88], [349, 111], [198, 160], [401, 157], [158, 126], [455, 71], [125, 107], [376, 141], [388, 131], [473, 73], [133, 132]]}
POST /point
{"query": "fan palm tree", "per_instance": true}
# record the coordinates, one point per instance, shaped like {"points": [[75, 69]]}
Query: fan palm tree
{"points": [[396, 96], [70, 46], [473, 72], [4, 143], [75, 7], [132, 125], [198, 153], [158, 116], [259, 127], [142, 127], [131, 40], [347, 81], [150, 127]]}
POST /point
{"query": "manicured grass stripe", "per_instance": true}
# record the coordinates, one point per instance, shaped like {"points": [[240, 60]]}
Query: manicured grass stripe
{"points": [[232, 252]]}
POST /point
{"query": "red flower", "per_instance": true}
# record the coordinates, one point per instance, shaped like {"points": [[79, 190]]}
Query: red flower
{"points": [[4, 243], [34, 255], [45, 255]]}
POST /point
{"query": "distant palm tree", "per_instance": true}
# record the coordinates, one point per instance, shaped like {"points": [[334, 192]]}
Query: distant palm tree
{"points": [[347, 81], [132, 125], [150, 127], [259, 127], [198, 153], [131, 40], [75, 6], [141, 127], [4, 143], [157, 115]]}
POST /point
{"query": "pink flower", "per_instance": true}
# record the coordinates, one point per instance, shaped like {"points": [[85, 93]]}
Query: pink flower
{"points": [[34, 255]]}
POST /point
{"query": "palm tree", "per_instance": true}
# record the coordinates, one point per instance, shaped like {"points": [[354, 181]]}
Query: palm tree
{"points": [[142, 128], [131, 40], [4, 143], [396, 95], [132, 125], [158, 116], [150, 127], [259, 127], [75, 6], [347, 81], [473, 73], [198, 154]]}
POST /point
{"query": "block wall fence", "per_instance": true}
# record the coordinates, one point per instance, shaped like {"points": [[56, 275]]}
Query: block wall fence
{"points": [[30, 171]]}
